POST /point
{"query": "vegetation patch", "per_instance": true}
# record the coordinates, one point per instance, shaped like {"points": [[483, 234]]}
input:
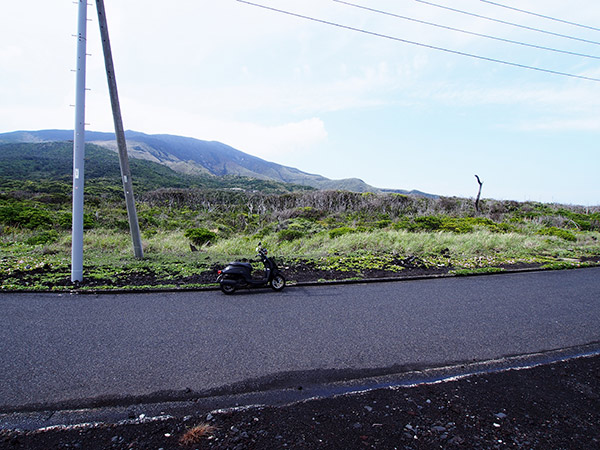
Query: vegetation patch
{"points": [[360, 263], [289, 235], [480, 271], [327, 235], [340, 231], [200, 236], [558, 232], [561, 265]]}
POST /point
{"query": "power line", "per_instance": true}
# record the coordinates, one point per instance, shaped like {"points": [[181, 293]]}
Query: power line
{"points": [[385, 36], [487, 36], [541, 15], [460, 11]]}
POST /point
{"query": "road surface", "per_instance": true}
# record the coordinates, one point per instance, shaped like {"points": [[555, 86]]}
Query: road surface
{"points": [[62, 349]]}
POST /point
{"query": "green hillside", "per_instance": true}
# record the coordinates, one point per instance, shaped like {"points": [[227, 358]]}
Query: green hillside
{"points": [[47, 167], [194, 156]]}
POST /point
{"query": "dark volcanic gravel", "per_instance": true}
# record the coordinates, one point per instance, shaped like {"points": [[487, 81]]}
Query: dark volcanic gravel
{"points": [[553, 406]]}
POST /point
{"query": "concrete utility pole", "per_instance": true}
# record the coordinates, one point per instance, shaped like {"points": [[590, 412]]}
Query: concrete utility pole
{"points": [[79, 148], [120, 133]]}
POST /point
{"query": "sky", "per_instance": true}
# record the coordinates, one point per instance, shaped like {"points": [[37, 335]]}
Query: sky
{"points": [[387, 105]]}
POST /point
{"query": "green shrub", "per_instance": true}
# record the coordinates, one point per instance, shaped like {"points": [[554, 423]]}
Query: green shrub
{"points": [[149, 232], [428, 223], [261, 234], [65, 221], [502, 228], [337, 232], [452, 224], [402, 224], [199, 236], [384, 223], [303, 225], [289, 235], [9, 214], [308, 212], [43, 237], [558, 232], [584, 222], [30, 217], [456, 225]]}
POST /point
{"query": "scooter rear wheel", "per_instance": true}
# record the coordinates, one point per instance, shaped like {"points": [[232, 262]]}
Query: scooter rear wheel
{"points": [[278, 282], [227, 288]]}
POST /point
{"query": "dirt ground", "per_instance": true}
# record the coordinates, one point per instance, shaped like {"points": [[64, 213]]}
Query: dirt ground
{"points": [[553, 406]]}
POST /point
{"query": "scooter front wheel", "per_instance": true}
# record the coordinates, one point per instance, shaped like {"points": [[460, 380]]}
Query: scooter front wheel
{"points": [[278, 282]]}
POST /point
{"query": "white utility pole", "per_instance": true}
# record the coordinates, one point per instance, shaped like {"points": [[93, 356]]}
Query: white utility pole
{"points": [[79, 148], [79, 141]]}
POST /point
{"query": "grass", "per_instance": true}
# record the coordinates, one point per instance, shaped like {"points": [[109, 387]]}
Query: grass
{"points": [[196, 434], [479, 271], [168, 259], [458, 246]]}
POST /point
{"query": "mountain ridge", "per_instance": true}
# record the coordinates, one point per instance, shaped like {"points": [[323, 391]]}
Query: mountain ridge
{"points": [[197, 157]]}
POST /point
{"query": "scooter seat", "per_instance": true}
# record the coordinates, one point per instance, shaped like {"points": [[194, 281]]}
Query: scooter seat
{"points": [[241, 264]]}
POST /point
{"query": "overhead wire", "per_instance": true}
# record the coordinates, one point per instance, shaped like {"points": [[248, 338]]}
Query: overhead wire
{"points": [[472, 33], [420, 44], [575, 24], [505, 22]]}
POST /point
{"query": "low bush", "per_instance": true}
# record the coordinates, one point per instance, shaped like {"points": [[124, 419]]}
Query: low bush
{"points": [[43, 237], [451, 224], [456, 225], [25, 216], [558, 232], [199, 236], [337, 232], [427, 223], [289, 235]]}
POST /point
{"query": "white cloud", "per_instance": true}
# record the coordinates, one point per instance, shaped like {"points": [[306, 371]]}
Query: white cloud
{"points": [[579, 124], [265, 141], [274, 141], [564, 107]]}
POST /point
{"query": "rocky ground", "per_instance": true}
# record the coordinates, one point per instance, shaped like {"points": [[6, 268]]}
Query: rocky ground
{"points": [[553, 406]]}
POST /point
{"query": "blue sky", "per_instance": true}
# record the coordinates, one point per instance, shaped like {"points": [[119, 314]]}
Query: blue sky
{"points": [[328, 100]]}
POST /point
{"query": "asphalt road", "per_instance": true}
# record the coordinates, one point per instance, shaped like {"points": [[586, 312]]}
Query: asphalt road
{"points": [[62, 348]]}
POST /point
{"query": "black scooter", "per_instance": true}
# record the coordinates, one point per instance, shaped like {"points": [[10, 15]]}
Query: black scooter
{"points": [[238, 274]]}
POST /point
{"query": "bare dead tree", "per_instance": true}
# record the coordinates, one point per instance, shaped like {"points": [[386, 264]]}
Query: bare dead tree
{"points": [[478, 194]]}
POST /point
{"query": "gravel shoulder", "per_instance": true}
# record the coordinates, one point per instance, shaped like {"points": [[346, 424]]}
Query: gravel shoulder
{"points": [[552, 406]]}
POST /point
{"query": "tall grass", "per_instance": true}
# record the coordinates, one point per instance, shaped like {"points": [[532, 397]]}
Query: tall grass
{"points": [[102, 242], [404, 243], [171, 242]]}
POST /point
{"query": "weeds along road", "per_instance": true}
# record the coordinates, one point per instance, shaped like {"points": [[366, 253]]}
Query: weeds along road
{"points": [[58, 348]]}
